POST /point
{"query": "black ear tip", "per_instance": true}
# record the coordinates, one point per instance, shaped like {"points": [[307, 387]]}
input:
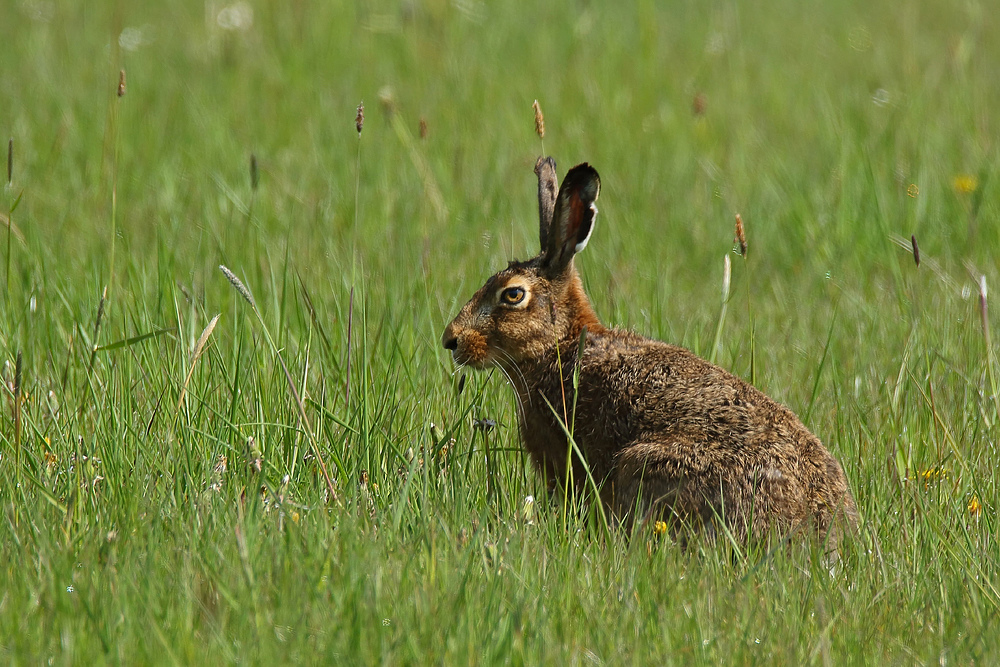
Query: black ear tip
{"points": [[585, 176]]}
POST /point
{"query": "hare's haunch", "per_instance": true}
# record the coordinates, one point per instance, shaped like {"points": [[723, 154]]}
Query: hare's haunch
{"points": [[665, 434]]}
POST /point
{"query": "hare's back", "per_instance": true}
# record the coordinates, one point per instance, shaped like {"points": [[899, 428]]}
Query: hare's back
{"points": [[668, 390]]}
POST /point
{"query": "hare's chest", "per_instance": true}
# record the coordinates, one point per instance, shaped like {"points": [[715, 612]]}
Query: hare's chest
{"points": [[544, 440], [553, 413]]}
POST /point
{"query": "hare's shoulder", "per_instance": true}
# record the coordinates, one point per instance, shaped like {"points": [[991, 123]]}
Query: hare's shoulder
{"points": [[637, 368], [647, 359]]}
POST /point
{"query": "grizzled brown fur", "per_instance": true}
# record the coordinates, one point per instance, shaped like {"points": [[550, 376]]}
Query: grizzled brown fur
{"points": [[666, 434]]}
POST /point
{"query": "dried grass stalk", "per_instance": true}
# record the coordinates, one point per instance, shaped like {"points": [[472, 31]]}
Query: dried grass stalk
{"points": [[199, 347]]}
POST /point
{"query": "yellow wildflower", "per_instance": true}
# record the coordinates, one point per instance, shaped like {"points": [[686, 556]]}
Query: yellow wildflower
{"points": [[660, 527], [975, 507], [929, 476], [965, 184], [935, 473]]}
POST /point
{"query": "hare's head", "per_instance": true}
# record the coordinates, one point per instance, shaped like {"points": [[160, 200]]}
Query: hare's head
{"points": [[524, 310]]}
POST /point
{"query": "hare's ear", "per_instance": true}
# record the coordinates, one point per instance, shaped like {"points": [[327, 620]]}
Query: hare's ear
{"points": [[548, 186], [572, 219]]}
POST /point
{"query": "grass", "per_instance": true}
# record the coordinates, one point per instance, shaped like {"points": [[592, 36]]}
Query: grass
{"points": [[163, 501]]}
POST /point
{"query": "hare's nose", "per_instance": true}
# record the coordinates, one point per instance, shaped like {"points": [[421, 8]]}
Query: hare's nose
{"points": [[450, 338]]}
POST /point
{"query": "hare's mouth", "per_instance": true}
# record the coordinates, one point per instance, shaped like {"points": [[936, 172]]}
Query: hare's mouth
{"points": [[463, 358]]}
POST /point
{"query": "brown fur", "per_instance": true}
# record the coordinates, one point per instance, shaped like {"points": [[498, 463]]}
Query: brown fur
{"points": [[665, 434]]}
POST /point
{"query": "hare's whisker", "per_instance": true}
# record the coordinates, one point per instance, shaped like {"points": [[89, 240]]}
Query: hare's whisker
{"points": [[520, 373], [517, 394]]}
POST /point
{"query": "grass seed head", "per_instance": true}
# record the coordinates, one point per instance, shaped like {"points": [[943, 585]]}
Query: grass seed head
{"points": [[423, 127], [240, 287], [699, 104], [199, 346], [10, 160], [359, 120], [254, 174], [121, 83], [539, 120], [916, 249], [741, 235]]}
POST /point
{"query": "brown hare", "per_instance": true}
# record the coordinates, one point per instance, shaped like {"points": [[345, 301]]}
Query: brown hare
{"points": [[665, 434]]}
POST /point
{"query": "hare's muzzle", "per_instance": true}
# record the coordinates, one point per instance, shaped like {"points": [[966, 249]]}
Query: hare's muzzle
{"points": [[468, 346]]}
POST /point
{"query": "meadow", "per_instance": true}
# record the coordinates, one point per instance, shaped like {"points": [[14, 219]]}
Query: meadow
{"points": [[190, 474]]}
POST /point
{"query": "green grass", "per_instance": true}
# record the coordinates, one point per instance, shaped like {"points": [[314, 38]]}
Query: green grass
{"points": [[143, 526]]}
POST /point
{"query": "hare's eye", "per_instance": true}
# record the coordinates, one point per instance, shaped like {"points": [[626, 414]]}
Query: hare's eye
{"points": [[512, 295]]}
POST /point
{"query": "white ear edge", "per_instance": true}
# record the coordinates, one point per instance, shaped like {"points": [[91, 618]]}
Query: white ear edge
{"points": [[593, 220]]}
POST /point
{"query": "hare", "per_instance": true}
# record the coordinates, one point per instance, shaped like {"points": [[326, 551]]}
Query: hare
{"points": [[664, 434]]}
